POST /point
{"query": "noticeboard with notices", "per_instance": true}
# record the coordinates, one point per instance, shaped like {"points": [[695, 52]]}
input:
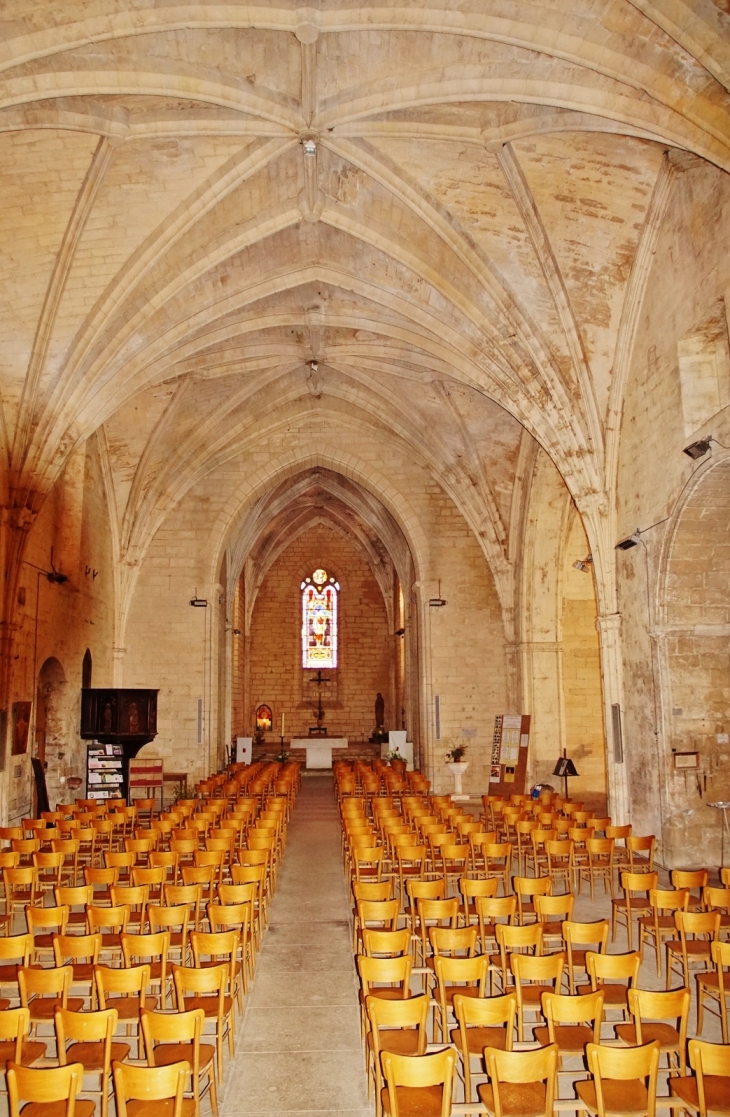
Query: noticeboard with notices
{"points": [[510, 742]]}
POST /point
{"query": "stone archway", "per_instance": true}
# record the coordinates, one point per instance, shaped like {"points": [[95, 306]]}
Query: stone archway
{"points": [[694, 660]]}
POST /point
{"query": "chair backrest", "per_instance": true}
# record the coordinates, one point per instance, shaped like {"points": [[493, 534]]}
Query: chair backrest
{"points": [[409, 1013], [581, 1009], [385, 971], [76, 947], [386, 943], [548, 907], [16, 948], [520, 1067], [612, 967], [584, 934], [624, 1064], [669, 1004], [540, 968], [486, 1012], [172, 1027], [708, 1059], [416, 1071], [511, 938], [122, 981], [15, 1025], [37, 982], [85, 1027], [150, 1084], [46, 1085]]}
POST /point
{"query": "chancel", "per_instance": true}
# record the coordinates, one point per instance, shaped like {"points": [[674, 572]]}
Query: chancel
{"points": [[365, 369]]}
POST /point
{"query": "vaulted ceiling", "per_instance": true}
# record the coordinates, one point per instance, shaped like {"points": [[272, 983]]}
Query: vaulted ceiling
{"points": [[454, 263]]}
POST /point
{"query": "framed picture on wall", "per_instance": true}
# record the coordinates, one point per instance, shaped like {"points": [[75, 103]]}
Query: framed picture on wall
{"points": [[264, 718], [21, 724]]}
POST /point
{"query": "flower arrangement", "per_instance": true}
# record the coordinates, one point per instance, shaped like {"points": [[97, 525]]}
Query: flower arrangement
{"points": [[456, 754]]}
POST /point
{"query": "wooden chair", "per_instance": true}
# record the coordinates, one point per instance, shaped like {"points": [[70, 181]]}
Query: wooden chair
{"points": [[580, 938], [219, 948], [413, 1081], [509, 939], [697, 931], [464, 976], [478, 840], [238, 918], [88, 1038], [82, 953], [552, 912], [572, 1022], [125, 990], [21, 890], [498, 862], [51, 1091], [110, 923], [641, 853], [490, 910], [521, 1082], [599, 867], [42, 990], [43, 923], [533, 976], [176, 1037], [613, 975], [15, 1046], [634, 902], [69, 847], [139, 1090], [76, 898], [650, 1011], [50, 869], [624, 1080], [386, 944], [715, 988], [434, 913], [388, 978], [206, 989], [101, 880], [660, 925], [396, 1027], [560, 867], [136, 899], [708, 1092], [695, 881], [15, 951], [482, 1022], [174, 919], [152, 950], [526, 889], [470, 890]]}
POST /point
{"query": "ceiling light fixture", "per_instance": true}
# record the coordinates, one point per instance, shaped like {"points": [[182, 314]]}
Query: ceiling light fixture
{"points": [[437, 602], [309, 147], [698, 449]]}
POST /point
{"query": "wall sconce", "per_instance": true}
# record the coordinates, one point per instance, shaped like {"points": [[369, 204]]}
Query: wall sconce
{"points": [[698, 449], [583, 564], [630, 541]]}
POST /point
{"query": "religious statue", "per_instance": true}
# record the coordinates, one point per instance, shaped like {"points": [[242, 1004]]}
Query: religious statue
{"points": [[379, 733]]}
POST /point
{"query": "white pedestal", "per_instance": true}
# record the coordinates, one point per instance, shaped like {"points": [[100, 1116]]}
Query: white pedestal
{"points": [[319, 749], [457, 770], [244, 750]]}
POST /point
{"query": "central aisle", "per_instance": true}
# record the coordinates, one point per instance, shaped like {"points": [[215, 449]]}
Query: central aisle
{"points": [[299, 1050]]}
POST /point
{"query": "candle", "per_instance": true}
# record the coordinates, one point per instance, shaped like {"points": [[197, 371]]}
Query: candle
{"points": [[282, 724]]}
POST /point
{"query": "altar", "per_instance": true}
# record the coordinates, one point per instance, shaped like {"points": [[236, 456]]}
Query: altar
{"points": [[319, 750]]}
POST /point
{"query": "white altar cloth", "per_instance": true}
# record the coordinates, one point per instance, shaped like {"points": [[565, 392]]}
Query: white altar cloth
{"points": [[319, 749]]}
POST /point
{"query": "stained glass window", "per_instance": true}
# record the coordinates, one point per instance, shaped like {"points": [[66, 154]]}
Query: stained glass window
{"points": [[319, 620]]}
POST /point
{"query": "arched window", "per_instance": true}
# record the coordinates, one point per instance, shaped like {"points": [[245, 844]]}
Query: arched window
{"points": [[319, 620]]}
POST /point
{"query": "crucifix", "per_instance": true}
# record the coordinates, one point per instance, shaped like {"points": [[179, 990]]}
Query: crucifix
{"points": [[318, 681]]}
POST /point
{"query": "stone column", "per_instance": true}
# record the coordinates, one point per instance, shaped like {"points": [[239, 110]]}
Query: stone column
{"points": [[609, 634]]}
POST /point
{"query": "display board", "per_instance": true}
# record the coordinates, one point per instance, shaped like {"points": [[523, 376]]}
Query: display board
{"points": [[510, 744]]}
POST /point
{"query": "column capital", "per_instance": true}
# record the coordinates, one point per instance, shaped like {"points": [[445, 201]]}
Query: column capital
{"points": [[608, 622]]}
